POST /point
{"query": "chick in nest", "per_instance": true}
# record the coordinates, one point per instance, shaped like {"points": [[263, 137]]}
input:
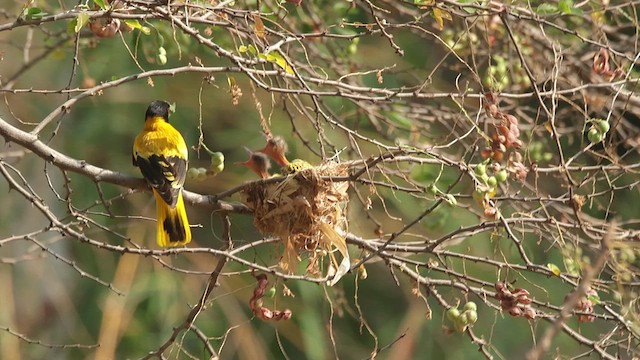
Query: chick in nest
{"points": [[259, 163], [304, 211], [276, 148]]}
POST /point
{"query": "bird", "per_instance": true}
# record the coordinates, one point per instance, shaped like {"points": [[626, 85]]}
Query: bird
{"points": [[161, 153], [258, 163], [296, 165], [276, 148]]}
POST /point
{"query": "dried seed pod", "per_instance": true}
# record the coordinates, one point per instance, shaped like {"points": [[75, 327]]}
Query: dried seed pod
{"points": [[515, 311], [491, 213], [529, 313], [511, 120], [104, 28]]}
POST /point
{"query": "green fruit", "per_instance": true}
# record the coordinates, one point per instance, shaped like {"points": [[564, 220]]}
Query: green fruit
{"points": [[271, 292], [472, 316], [595, 136], [162, 55], [217, 158], [460, 327], [201, 174], [470, 306], [215, 170], [453, 313], [502, 175], [492, 181], [461, 322], [192, 174], [628, 255], [481, 169], [602, 125]]}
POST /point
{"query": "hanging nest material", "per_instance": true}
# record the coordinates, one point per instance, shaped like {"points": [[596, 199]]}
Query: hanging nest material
{"points": [[304, 211]]}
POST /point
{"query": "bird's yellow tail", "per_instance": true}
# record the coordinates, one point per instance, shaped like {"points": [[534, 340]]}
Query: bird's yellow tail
{"points": [[173, 225]]}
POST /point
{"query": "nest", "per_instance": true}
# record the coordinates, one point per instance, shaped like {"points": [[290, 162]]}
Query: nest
{"points": [[304, 211]]}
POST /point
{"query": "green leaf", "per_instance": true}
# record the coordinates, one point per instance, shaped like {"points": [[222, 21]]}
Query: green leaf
{"points": [[81, 21], [546, 9], [276, 58], [34, 13], [135, 24], [71, 26], [554, 269], [565, 6], [101, 4], [250, 49], [594, 299]]}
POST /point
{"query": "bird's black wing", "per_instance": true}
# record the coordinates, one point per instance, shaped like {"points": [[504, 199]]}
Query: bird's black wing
{"points": [[165, 174]]}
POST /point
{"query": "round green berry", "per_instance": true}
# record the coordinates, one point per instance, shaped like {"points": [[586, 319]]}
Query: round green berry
{"points": [[472, 316], [271, 292], [216, 169], [217, 158], [192, 173], [594, 136], [602, 125], [502, 175], [453, 313], [201, 174], [470, 306]]}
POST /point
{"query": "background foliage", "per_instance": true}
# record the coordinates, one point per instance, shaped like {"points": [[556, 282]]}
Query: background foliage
{"points": [[427, 101]]}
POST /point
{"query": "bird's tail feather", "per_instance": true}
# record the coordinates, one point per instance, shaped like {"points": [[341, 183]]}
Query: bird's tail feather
{"points": [[173, 225]]}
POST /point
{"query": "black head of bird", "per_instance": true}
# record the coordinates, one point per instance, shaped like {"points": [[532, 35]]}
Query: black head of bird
{"points": [[158, 108]]}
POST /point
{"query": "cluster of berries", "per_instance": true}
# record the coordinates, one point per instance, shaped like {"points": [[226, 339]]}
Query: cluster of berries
{"points": [[216, 167], [598, 130], [464, 319]]}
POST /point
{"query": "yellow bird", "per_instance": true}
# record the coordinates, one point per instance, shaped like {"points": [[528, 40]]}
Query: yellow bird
{"points": [[162, 156]]}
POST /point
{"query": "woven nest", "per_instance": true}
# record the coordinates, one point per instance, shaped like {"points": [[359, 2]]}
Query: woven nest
{"points": [[304, 211]]}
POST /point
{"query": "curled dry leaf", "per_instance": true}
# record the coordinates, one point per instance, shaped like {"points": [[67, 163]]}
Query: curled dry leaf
{"points": [[517, 302], [104, 28]]}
